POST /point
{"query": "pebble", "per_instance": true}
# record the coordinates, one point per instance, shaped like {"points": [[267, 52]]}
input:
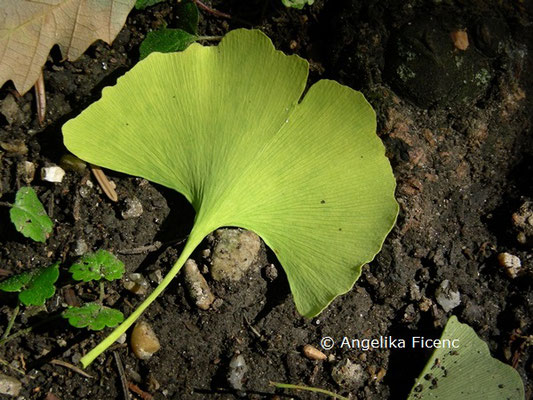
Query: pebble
{"points": [[313, 353], [53, 174], [9, 385], [197, 286], [511, 263], [80, 248], [27, 171], [133, 208], [144, 341], [234, 253], [460, 39], [136, 283], [271, 272], [15, 147], [348, 375], [237, 370], [447, 298]]}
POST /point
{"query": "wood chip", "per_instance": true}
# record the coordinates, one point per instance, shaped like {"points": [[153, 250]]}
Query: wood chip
{"points": [[104, 183]]}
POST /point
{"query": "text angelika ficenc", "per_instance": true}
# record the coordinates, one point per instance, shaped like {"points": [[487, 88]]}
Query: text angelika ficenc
{"points": [[389, 342]]}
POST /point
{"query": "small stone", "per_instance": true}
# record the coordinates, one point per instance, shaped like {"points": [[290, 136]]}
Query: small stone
{"points": [[237, 370], [133, 208], [271, 272], [15, 147], [80, 248], [414, 292], [27, 171], [511, 263], [136, 283], [52, 174], [156, 276], [447, 298], [11, 110], [122, 338], [206, 253], [348, 375], [234, 253], [197, 286], [144, 341], [425, 304], [460, 39], [313, 353]]}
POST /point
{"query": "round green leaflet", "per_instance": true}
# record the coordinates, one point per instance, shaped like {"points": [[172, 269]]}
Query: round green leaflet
{"points": [[224, 126]]}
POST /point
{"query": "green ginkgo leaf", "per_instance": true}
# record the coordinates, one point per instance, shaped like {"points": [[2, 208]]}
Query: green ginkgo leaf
{"points": [[226, 127], [464, 369], [35, 287], [94, 266], [29, 216], [93, 316]]}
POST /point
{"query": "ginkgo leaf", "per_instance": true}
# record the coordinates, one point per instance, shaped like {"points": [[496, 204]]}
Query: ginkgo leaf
{"points": [[29, 29], [462, 368], [225, 127]]}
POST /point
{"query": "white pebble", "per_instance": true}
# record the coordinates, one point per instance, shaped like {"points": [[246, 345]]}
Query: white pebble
{"points": [[52, 174]]}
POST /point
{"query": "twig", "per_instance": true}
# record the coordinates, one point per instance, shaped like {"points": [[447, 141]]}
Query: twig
{"points": [[144, 395], [5, 204], [71, 367], [122, 375], [142, 249], [209, 37], [210, 10], [40, 98], [11, 321], [308, 388], [4, 362], [104, 182]]}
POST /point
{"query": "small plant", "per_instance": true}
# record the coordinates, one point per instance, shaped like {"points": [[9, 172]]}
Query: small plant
{"points": [[298, 4], [29, 216], [166, 40], [226, 127], [34, 287], [94, 267]]}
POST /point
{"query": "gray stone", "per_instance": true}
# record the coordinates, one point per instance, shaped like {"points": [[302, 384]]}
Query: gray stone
{"points": [[9, 385]]}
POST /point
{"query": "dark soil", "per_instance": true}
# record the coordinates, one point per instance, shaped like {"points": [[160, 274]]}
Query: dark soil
{"points": [[458, 131]]}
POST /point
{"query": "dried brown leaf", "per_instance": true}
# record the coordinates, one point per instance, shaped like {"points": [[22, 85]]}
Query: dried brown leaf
{"points": [[29, 29]]}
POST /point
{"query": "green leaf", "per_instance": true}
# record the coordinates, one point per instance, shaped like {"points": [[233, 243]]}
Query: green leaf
{"points": [[142, 4], [298, 4], [29, 216], [165, 40], [467, 371], [226, 127], [93, 316], [187, 16], [94, 266], [34, 286]]}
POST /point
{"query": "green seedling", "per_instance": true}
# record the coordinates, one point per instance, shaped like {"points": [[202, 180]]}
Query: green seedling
{"points": [[94, 267], [165, 40], [298, 4], [34, 287], [93, 316], [29, 216], [464, 369], [226, 126]]}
